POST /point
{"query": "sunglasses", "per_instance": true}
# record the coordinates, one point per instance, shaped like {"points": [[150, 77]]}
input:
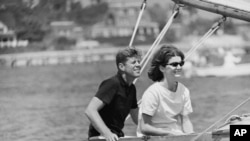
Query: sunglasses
{"points": [[175, 64]]}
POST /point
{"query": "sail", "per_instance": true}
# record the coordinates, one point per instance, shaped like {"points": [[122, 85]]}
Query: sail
{"points": [[235, 4], [239, 9]]}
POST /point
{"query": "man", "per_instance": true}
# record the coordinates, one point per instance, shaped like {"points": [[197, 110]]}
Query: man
{"points": [[115, 98]]}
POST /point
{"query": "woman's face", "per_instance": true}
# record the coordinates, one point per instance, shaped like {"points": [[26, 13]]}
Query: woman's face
{"points": [[174, 66]]}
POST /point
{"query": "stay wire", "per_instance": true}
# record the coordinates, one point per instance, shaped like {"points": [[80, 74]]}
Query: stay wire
{"points": [[156, 42], [214, 27], [143, 7]]}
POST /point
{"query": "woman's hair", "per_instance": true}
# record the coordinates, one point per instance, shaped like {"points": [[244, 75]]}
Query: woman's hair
{"points": [[161, 58], [123, 55]]}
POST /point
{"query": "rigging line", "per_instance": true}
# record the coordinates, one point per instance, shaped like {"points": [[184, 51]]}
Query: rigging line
{"points": [[162, 33], [237, 107], [137, 22], [199, 43], [150, 49], [156, 43], [206, 36]]}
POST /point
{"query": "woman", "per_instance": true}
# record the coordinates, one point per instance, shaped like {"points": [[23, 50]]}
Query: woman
{"points": [[166, 104]]}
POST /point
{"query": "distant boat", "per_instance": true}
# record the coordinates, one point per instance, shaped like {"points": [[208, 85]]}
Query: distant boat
{"points": [[223, 71]]}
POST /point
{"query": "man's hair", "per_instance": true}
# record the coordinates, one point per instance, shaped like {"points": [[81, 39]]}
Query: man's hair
{"points": [[123, 55], [161, 58]]}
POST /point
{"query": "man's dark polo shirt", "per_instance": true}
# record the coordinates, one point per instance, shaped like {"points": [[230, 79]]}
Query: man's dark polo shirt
{"points": [[119, 99]]}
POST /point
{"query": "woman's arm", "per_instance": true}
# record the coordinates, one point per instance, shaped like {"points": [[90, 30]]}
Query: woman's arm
{"points": [[148, 129], [187, 126]]}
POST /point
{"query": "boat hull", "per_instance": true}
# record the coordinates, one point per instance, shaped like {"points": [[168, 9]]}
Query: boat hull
{"points": [[190, 137], [220, 134]]}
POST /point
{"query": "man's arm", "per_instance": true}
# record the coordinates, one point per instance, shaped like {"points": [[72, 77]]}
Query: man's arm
{"points": [[134, 115], [92, 113]]}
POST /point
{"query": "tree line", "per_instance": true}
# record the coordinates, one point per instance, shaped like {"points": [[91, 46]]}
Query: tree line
{"points": [[32, 23]]}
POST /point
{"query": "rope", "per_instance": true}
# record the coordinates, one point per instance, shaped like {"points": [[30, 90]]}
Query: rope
{"points": [[156, 42], [206, 130], [137, 22], [205, 37]]}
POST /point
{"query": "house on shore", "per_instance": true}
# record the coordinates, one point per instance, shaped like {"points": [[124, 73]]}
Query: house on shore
{"points": [[121, 19], [8, 38]]}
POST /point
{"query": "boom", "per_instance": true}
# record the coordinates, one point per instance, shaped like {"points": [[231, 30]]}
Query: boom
{"points": [[238, 9]]}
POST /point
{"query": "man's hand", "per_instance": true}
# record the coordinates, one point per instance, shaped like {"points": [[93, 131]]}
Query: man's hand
{"points": [[175, 133], [111, 137]]}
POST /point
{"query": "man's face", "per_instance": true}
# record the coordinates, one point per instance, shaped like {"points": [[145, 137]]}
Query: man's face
{"points": [[132, 67]]}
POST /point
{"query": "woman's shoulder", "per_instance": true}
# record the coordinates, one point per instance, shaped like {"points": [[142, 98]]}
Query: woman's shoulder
{"points": [[183, 88], [181, 85], [153, 87], [152, 92]]}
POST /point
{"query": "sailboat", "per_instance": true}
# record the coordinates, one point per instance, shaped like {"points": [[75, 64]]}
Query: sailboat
{"points": [[238, 9]]}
